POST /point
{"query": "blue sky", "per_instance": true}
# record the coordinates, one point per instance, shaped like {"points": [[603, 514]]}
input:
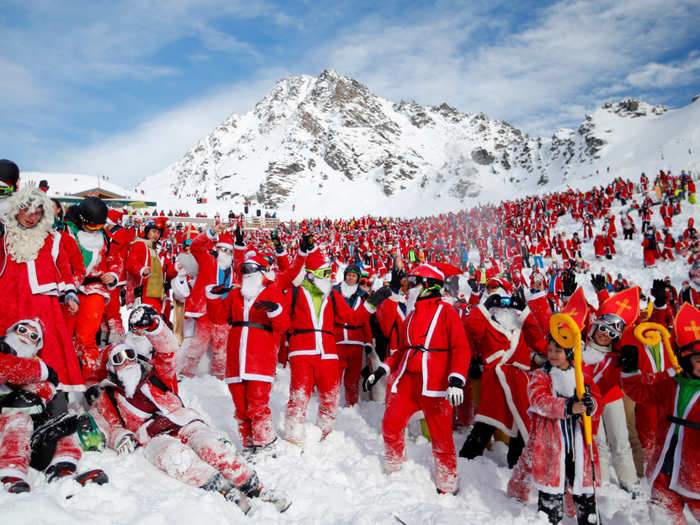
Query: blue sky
{"points": [[124, 88]]}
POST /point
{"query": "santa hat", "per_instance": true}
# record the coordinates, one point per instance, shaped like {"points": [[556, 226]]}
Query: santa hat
{"points": [[499, 282], [316, 259], [687, 330], [35, 323], [114, 349], [253, 257], [225, 241], [114, 217]]}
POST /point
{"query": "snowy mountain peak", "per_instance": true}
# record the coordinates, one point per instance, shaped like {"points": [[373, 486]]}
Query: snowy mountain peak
{"points": [[328, 145]]}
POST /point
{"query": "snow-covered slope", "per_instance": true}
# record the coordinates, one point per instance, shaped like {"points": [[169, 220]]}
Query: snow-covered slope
{"points": [[328, 146]]}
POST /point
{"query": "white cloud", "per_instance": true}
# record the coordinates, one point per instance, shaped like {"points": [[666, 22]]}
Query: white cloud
{"points": [[655, 75]]}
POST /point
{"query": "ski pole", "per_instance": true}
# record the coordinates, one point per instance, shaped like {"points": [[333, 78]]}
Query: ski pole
{"points": [[650, 334], [567, 334]]}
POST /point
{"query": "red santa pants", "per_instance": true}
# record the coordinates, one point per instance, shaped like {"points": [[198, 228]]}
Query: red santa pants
{"points": [[647, 418], [400, 406], [251, 399], [196, 454], [666, 505], [84, 325], [307, 371], [67, 450], [15, 433], [206, 334], [113, 315], [350, 363]]}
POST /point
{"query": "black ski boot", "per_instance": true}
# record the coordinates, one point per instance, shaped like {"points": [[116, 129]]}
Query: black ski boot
{"points": [[476, 441], [219, 483], [60, 470], [15, 485]]}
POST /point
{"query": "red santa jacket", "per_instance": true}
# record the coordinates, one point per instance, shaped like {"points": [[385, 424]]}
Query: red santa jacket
{"points": [[348, 334], [121, 238], [21, 370], [546, 444], [663, 389], [252, 345], [390, 316], [138, 260], [433, 344], [100, 259]]}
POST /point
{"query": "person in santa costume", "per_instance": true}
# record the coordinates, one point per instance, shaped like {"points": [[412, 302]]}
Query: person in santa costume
{"points": [[560, 461], [103, 265], [135, 408], [352, 340], [121, 239], [504, 332], [690, 291], [314, 310], [146, 273], [430, 372], [672, 469], [601, 359], [35, 278], [213, 251], [255, 313]]}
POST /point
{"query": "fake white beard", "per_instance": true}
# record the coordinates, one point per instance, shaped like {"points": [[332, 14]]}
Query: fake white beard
{"points": [[299, 278], [324, 285], [508, 318], [412, 297], [347, 289], [130, 377], [21, 348], [224, 260], [92, 241], [563, 381], [449, 299], [270, 276], [594, 354], [23, 244], [251, 285]]}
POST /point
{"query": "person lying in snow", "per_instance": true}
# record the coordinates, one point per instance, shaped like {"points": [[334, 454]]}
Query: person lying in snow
{"points": [[35, 427], [136, 408]]}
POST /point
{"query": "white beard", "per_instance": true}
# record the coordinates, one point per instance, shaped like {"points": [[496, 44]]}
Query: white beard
{"points": [[251, 285], [347, 290], [563, 381], [269, 275], [224, 260], [23, 244], [508, 318], [21, 348], [449, 299], [593, 354], [324, 285], [412, 297], [299, 278], [130, 377], [92, 241]]}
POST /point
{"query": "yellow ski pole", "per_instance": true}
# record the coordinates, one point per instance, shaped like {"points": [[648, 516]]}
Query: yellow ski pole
{"points": [[567, 334], [650, 334]]}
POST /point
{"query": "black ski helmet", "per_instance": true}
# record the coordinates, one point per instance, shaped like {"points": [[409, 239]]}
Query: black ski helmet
{"points": [[92, 210], [9, 172], [353, 268]]}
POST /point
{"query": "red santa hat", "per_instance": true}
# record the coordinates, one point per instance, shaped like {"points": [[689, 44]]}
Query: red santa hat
{"points": [[225, 241], [114, 217], [499, 282], [316, 259], [253, 257]]}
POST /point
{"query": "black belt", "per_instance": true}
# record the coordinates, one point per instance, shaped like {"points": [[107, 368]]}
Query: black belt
{"points": [[421, 348], [91, 280], [250, 324], [685, 422], [309, 330], [348, 327]]}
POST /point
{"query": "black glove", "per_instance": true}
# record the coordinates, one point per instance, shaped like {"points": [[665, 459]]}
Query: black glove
{"points": [[629, 358], [368, 349], [379, 296], [569, 283], [474, 368], [598, 282], [492, 300], [144, 317], [266, 306], [53, 376], [276, 242], [456, 382], [473, 284], [364, 373], [307, 242], [518, 301], [122, 296], [588, 401], [369, 382], [220, 289], [92, 393], [397, 275], [570, 405], [658, 291], [238, 234]]}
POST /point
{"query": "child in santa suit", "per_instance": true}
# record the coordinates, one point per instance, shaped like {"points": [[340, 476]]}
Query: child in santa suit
{"points": [[560, 459], [672, 469]]}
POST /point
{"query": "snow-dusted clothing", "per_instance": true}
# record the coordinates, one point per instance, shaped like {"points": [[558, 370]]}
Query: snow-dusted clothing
{"points": [[432, 348]]}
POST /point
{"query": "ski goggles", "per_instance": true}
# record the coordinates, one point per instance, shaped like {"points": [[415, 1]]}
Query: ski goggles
{"points": [[505, 302], [610, 325], [223, 249], [126, 354], [321, 273], [413, 281], [250, 267], [6, 190], [93, 227], [23, 330]]}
